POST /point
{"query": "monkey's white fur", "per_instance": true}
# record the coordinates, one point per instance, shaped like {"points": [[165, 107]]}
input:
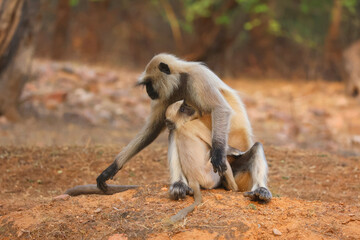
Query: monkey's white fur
{"points": [[176, 173]]}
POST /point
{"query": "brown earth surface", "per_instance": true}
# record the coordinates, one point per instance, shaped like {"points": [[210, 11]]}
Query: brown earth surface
{"points": [[74, 116], [316, 196]]}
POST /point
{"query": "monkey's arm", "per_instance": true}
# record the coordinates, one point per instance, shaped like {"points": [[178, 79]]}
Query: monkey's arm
{"points": [[153, 127], [220, 118]]}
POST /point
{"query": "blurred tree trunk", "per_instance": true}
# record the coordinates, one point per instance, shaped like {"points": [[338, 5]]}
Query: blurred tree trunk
{"points": [[261, 44], [16, 53], [61, 27], [210, 35], [174, 24], [333, 67]]}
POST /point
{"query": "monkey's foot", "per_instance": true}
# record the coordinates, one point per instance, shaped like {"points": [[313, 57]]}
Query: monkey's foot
{"points": [[179, 190], [261, 194]]}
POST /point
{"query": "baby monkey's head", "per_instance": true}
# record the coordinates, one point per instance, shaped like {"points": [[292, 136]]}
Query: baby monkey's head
{"points": [[178, 113]]}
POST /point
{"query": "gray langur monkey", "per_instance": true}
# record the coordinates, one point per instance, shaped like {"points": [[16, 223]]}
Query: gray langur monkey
{"points": [[190, 147], [169, 79]]}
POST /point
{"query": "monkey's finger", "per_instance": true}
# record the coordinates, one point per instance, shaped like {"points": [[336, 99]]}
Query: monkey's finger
{"points": [[101, 185], [220, 168], [101, 182], [260, 194], [190, 191], [263, 194], [108, 173], [250, 195]]}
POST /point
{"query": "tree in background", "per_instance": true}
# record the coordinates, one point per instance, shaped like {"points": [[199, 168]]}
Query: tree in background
{"points": [[257, 38], [16, 53], [274, 36], [60, 32], [333, 67]]}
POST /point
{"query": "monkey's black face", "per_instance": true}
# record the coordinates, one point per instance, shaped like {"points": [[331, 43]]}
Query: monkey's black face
{"points": [[188, 110], [151, 91]]}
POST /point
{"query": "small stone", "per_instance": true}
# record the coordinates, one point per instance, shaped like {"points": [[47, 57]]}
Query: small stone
{"points": [[97, 210], [164, 189], [277, 232]]}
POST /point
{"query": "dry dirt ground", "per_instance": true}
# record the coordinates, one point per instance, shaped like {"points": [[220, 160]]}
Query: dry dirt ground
{"points": [[310, 131], [316, 197]]}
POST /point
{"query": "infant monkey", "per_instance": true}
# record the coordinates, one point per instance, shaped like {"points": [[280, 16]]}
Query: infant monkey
{"points": [[192, 138]]}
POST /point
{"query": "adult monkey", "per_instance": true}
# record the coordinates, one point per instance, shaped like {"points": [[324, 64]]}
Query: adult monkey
{"points": [[168, 79]]}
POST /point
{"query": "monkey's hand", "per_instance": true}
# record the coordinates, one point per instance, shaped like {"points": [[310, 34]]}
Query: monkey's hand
{"points": [[218, 160], [107, 174]]}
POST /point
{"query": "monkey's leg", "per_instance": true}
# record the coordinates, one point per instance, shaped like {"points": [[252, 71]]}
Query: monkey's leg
{"points": [[178, 182], [185, 211], [250, 170]]}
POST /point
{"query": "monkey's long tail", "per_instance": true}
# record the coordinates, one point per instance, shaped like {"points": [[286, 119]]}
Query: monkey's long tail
{"points": [[93, 189], [184, 212]]}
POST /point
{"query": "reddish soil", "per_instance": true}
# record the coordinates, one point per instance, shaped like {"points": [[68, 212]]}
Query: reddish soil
{"points": [[316, 197]]}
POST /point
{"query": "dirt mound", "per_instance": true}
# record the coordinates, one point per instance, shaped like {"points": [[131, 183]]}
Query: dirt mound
{"points": [[144, 213]]}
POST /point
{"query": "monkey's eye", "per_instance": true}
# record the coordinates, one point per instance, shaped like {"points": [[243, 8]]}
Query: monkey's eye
{"points": [[182, 108], [186, 109]]}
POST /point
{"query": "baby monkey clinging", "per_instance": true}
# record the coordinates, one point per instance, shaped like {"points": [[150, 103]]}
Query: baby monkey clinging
{"points": [[192, 139]]}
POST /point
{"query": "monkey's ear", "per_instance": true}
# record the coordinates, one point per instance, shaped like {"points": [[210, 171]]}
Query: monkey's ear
{"points": [[163, 67]]}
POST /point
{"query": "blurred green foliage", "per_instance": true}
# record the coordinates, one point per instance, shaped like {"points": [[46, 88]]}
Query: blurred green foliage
{"points": [[74, 3], [303, 21]]}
